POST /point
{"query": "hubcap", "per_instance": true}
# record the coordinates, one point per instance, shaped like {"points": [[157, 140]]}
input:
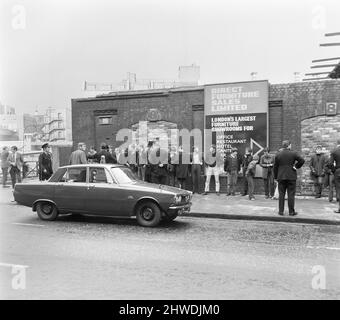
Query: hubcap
{"points": [[47, 209], [147, 214]]}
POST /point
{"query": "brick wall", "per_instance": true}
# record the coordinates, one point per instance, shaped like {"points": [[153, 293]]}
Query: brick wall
{"points": [[289, 106], [319, 130]]}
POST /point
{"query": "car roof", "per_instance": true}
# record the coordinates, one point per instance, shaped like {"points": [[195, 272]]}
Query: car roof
{"points": [[101, 165]]}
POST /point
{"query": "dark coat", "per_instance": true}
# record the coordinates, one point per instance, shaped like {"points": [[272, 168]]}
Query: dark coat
{"points": [[45, 166], [182, 169], [335, 158], [285, 162], [228, 163], [246, 159], [317, 165], [109, 158]]}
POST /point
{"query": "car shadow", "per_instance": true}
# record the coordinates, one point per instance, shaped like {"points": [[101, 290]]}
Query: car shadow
{"points": [[92, 219]]}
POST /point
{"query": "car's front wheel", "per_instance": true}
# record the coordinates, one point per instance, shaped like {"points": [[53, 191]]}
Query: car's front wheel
{"points": [[148, 214], [47, 211]]}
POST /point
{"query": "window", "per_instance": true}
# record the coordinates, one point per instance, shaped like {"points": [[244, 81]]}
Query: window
{"points": [[97, 175], [124, 174], [74, 175], [104, 120]]}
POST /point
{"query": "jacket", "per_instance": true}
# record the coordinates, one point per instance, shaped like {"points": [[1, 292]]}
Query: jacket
{"points": [[228, 163], [246, 159], [267, 164], [45, 166], [317, 165], [19, 160], [285, 165], [335, 158], [251, 170], [78, 157]]}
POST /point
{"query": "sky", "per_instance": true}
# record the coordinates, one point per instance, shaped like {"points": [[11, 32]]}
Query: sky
{"points": [[48, 48]]}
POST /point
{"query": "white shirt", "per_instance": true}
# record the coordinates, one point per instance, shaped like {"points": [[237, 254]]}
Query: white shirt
{"points": [[196, 159]]}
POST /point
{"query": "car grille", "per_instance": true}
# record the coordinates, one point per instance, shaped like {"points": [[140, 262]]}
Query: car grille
{"points": [[185, 198]]}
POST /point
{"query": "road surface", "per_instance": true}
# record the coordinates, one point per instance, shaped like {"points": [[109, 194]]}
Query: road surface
{"points": [[190, 258]]}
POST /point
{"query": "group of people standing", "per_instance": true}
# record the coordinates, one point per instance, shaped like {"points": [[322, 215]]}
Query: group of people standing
{"points": [[175, 166]]}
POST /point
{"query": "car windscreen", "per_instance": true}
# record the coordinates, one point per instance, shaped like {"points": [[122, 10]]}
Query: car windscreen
{"points": [[56, 177], [123, 174]]}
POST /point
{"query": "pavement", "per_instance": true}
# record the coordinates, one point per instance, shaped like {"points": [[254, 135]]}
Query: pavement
{"points": [[310, 210]]}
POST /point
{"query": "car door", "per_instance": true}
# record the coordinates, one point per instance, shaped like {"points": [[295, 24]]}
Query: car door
{"points": [[103, 193], [71, 190]]}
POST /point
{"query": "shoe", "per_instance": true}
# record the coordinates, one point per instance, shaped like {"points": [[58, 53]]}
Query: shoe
{"points": [[317, 197], [228, 194], [233, 194], [337, 211], [330, 200], [274, 198], [204, 193], [217, 193], [243, 194], [293, 213], [266, 197], [280, 213], [251, 199]]}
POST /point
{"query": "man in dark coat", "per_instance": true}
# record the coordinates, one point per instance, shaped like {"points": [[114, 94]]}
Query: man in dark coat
{"points": [[285, 165], [335, 161], [317, 170], [104, 151], [232, 165], [45, 163], [246, 159]]}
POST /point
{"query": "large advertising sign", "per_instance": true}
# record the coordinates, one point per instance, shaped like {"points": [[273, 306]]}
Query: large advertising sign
{"points": [[237, 115]]}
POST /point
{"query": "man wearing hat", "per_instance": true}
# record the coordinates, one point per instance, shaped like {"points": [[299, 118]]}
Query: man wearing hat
{"points": [[45, 163]]}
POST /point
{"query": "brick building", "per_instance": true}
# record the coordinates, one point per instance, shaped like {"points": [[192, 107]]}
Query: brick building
{"points": [[297, 111]]}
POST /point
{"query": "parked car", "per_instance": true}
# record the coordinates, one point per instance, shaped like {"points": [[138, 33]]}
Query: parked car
{"points": [[105, 190]]}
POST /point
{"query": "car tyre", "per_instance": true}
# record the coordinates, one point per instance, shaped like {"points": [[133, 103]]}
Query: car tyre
{"points": [[148, 214], [47, 211]]}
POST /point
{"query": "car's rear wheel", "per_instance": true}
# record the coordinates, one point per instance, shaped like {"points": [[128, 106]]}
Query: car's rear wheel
{"points": [[47, 211], [148, 214]]}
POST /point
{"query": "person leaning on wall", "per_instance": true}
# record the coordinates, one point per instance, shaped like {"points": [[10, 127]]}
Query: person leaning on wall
{"points": [[317, 170]]}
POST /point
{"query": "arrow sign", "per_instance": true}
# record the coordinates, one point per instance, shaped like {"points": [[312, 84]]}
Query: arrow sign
{"points": [[252, 143]]}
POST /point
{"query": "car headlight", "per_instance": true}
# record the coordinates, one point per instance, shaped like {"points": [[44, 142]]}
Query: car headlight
{"points": [[177, 198]]}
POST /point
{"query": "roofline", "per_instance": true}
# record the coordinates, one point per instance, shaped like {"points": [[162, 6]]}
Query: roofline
{"points": [[134, 93]]}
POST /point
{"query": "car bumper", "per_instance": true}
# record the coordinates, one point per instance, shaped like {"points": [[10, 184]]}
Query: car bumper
{"points": [[183, 208]]}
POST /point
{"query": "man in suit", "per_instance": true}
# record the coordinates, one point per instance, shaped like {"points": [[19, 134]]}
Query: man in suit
{"points": [[335, 161], [79, 156], [16, 162], [45, 163], [285, 165]]}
